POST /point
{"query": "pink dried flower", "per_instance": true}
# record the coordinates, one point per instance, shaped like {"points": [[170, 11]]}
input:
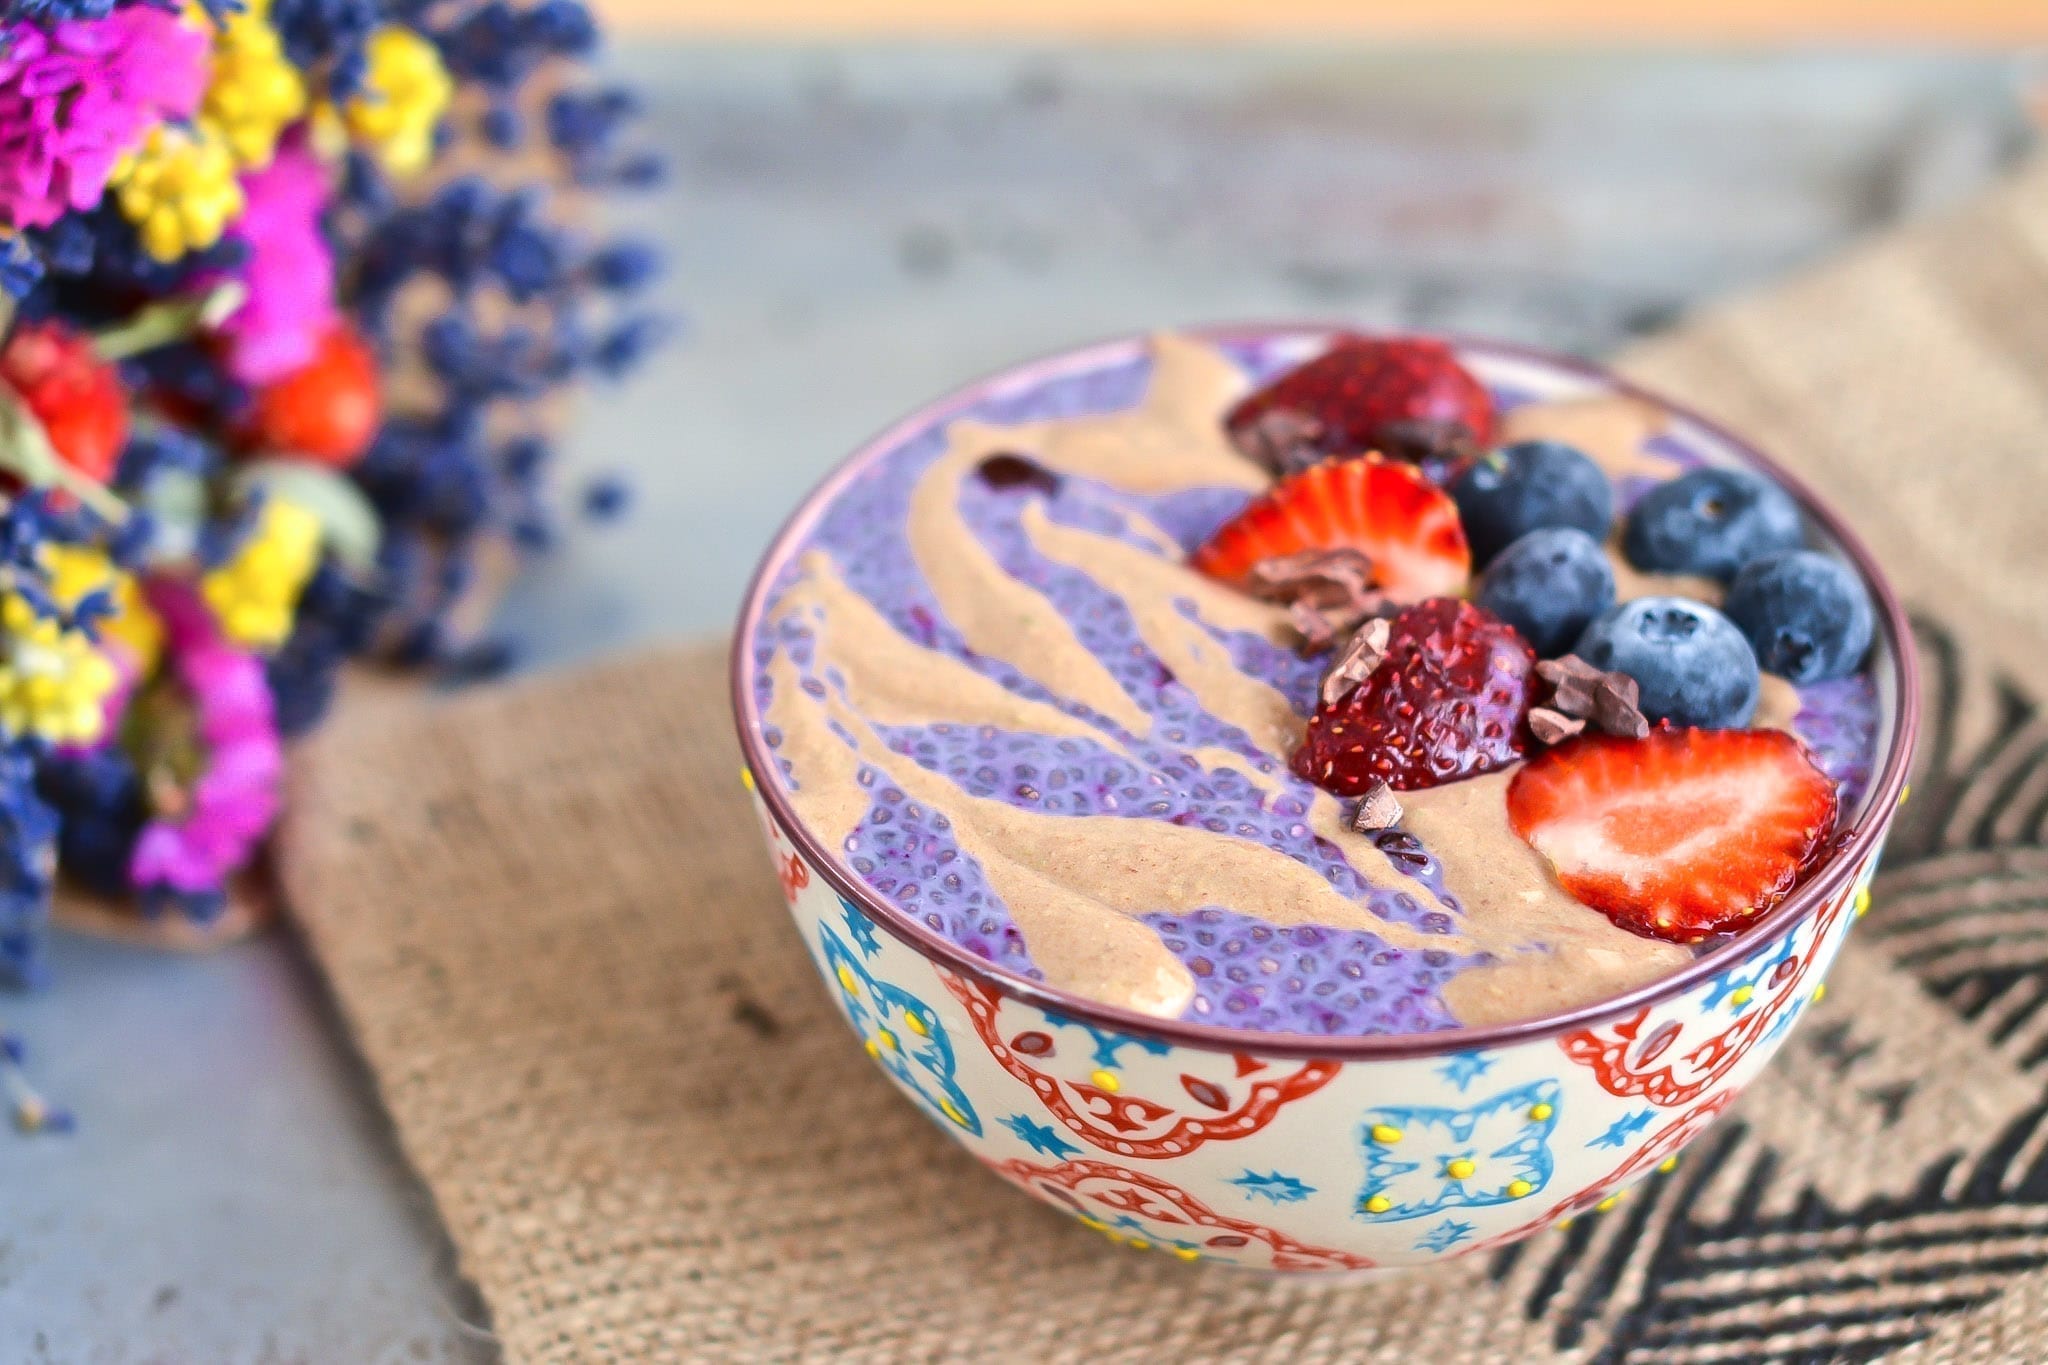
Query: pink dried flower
{"points": [[289, 269], [77, 94], [231, 806]]}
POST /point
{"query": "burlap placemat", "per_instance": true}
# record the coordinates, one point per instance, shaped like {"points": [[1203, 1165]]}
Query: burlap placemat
{"points": [[546, 915]]}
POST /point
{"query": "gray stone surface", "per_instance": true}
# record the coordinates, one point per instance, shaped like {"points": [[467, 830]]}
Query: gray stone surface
{"points": [[853, 231]]}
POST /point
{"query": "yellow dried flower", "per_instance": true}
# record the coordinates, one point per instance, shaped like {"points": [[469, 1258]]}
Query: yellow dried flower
{"points": [[254, 92], [404, 93], [54, 681], [76, 570], [179, 189], [254, 594]]}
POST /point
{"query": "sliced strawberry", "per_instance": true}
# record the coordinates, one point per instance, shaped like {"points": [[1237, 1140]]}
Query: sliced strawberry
{"points": [[1403, 523], [1679, 835], [1449, 700], [1401, 396]]}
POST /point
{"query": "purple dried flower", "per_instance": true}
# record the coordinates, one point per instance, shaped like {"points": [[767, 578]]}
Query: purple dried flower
{"points": [[583, 123], [99, 799], [51, 11], [68, 245], [624, 266], [289, 270], [28, 859], [232, 804], [78, 94], [156, 447], [364, 186], [499, 45], [625, 345], [503, 127], [338, 617], [642, 171], [30, 1111], [606, 497], [327, 33], [523, 458], [21, 268]]}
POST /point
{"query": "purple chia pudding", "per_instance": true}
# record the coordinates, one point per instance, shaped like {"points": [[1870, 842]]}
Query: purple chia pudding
{"points": [[992, 685]]}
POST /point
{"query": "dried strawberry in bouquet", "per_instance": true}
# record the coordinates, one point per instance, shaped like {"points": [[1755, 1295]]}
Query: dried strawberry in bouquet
{"points": [[287, 296]]}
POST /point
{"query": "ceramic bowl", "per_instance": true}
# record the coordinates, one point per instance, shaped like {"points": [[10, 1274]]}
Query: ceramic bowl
{"points": [[1299, 1153]]}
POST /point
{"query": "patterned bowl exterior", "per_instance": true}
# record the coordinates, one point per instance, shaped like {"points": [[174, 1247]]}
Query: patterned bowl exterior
{"points": [[1380, 1157], [1307, 1164]]}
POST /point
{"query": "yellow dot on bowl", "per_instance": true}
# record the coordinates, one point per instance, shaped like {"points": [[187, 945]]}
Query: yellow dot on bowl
{"points": [[1819, 991], [1519, 1189], [1138, 1244], [1379, 1203], [1188, 1253], [1540, 1112], [916, 1024], [848, 982], [1668, 1165], [1459, 1169], [1095, 1223], [1905, 792], [874, 1049], [1862, 901], [747, 778], [886, 1039], [1385, 1133], [1741, 995], [1563, 1223], [1106, 1080], [1609, 1202], [947, 1108]]}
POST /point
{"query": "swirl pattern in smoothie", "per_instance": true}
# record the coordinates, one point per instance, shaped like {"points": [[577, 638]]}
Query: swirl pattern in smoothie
{"points": [[993, 686]]}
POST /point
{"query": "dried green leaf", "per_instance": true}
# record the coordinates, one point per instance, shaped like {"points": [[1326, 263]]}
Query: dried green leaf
{"points": [[348, 522]]}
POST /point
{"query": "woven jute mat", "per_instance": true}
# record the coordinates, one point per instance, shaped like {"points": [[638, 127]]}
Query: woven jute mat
{"points": [[547, 918]]}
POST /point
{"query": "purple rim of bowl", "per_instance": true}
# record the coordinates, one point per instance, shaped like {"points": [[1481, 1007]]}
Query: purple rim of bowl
{"points": [[1850, 848]]}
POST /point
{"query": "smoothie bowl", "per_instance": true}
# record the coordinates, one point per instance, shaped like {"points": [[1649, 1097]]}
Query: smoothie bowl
{"points": [[1319, 802]]}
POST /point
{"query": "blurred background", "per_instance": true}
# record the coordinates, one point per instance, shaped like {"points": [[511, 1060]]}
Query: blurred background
{"points": [[872, 202], [867, 204]]}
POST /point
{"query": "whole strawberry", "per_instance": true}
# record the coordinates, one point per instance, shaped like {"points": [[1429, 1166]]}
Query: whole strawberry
{"points": [[1405, 397], [75, 396], [327, 410], [1450, 700]]}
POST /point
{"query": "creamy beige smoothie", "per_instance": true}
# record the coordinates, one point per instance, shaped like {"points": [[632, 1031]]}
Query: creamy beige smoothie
{"points": [[993, 684]]}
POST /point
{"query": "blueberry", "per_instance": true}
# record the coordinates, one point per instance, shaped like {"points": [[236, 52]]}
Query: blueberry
{"points": [[1710, 522], [1549, 585], [1692, 664], [1808, 617], [1526, 486]]}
